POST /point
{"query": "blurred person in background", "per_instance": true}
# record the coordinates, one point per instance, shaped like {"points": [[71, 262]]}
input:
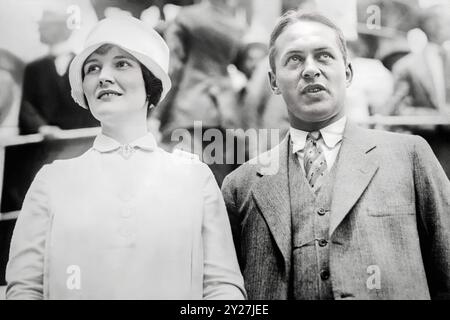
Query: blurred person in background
{"points": [[46, 102], [204, 40], [11, 76], [421, 77], [262, 109], [126, 220], [372, 84]]}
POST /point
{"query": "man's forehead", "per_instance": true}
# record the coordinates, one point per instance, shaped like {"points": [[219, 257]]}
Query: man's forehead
{"points": [[308, 31]]}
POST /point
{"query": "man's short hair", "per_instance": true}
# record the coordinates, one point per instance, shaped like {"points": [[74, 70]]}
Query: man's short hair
{"points": [[291, 17]]}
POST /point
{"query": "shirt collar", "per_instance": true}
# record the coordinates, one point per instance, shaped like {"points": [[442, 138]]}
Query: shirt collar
{"points": [[331, 135], [103, 143]]}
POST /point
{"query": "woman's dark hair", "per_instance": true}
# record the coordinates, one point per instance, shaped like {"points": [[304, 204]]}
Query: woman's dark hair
{"points": [[153, 86]]}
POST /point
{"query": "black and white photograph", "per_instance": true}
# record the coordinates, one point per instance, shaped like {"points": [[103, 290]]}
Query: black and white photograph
{"points": [[245, 151]]}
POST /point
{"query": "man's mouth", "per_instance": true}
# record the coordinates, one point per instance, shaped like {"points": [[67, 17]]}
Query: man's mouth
{"points": [[108, 93], [313, 88]]}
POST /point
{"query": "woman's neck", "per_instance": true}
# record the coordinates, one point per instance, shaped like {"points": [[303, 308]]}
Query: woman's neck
{"points": [[125, 131]]}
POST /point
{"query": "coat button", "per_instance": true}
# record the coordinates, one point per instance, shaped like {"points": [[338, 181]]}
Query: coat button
{"points": [[323, 242], [321, 212], [324, 274]]}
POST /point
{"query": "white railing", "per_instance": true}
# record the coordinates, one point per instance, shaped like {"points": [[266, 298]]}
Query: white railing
{"points": [[15, 140], [376, 121]]}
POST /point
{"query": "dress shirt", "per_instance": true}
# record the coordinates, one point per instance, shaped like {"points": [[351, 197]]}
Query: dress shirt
{"points": [[330, 141], [63, 56]]}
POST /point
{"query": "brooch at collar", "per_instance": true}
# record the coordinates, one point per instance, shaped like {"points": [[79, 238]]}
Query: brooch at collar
{"points": [[126, 151]]}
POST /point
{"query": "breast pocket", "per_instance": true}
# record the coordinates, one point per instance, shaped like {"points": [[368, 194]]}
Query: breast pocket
{"points": [[392, 210]]}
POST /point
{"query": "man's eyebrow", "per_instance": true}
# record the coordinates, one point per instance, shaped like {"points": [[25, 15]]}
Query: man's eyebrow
{"points": [[323, 49], [292, 50]]}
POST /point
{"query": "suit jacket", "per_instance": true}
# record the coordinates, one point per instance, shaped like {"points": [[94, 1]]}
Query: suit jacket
{"points": [[46, 100], [390, 215], [203, 41]]}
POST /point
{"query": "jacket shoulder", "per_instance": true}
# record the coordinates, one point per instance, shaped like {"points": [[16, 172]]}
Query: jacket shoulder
{"points": [[391, 138], [249, 172]]}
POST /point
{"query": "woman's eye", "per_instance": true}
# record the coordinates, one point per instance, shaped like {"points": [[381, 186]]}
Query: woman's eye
{"points": [[123, 64], [91, 68]]}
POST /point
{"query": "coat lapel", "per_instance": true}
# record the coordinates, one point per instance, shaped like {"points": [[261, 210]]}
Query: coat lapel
{"points": [[272, 197], [354, 173]]}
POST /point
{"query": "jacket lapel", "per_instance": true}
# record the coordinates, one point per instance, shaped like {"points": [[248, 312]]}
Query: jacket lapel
{"points": [[272, 197], [354, 173]]}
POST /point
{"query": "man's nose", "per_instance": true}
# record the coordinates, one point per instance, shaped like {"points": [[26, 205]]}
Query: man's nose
{"points": [[310, 69], [105, 76]]}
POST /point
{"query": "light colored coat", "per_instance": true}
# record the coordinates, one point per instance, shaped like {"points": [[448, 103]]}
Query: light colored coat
{"points": [[389, 232], [153, 226]]}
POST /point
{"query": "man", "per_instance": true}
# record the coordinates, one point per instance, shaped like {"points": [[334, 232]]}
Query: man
{"points": [[349, 212], [46, 102], [11, 71]]}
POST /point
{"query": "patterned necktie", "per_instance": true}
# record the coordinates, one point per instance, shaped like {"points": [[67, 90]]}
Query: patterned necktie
{"points": [[314, 161]]}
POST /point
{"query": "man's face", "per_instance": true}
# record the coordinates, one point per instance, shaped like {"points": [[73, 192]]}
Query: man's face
{"points": [[53, 32], [310, 74]]}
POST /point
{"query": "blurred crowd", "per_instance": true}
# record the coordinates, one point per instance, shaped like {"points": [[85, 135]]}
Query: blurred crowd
{"points": [[401, 62]]}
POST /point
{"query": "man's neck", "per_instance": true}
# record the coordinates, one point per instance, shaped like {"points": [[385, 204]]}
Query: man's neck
{"points": [[59, 49], [312, 126]]}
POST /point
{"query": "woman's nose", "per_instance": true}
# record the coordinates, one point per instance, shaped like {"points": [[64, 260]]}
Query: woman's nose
{"points": [[105, 76]]}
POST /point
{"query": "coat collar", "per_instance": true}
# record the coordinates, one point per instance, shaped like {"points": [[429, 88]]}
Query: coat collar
{"points": [[356, 168], [272, 196], [103, 143]]}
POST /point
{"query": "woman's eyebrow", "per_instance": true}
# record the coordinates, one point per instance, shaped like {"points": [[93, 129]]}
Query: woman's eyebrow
{"points": [[124, 57], [90, 61]]}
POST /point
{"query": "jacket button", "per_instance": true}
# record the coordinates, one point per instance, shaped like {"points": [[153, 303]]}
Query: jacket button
{"points": [[321, 212], [324, 274], [323, 242]]}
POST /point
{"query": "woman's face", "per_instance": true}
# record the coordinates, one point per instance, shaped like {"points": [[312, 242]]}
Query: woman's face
{"points": [[113, 83]]}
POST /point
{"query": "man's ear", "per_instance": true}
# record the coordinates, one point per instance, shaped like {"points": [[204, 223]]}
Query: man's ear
{"points": [[273, 82], [349, 74]]}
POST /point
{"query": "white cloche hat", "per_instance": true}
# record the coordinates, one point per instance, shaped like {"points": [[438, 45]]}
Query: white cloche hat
{"points": [[131, 35]]}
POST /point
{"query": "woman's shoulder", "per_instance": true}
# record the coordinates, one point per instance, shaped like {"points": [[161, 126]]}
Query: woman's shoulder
{"points": [[181, 157], [66, 166], [185, 162]]}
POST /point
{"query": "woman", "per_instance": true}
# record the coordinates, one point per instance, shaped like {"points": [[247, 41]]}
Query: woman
{"points": [[126, 220]]}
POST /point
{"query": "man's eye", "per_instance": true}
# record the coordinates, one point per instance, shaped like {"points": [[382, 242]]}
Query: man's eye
{"points": [[325, 56], [294, 59]]}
